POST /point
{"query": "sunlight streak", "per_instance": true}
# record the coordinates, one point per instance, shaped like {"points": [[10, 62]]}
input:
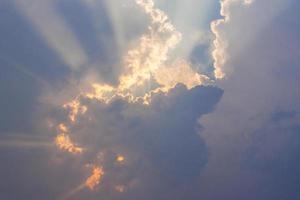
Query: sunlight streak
{"points": [[54, 30], [24, 144]]}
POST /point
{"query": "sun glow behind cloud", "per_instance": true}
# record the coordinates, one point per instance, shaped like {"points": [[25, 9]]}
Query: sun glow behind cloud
{"points": [[146, 63], [148, 70], [147, 66], [141, 135]]}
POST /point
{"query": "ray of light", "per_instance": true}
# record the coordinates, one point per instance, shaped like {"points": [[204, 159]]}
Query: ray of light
{"points": [[192, 21], [54, 30], [24, 70], [22, 140], [73, 192], [118, 14], [116, 20], [95, 8], [25, 144]]}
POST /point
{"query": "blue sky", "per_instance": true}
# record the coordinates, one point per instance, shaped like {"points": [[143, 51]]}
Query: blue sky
{"points": [[202, 105]]}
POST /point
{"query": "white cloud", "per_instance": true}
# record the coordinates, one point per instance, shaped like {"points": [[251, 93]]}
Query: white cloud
{"points": [[253, 90]]}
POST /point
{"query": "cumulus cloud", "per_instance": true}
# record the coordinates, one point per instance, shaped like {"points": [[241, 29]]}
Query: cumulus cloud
{"points": [[138, 136], [220, 44], [117, 144], [130, 150], [261, 83], [158, 144]]}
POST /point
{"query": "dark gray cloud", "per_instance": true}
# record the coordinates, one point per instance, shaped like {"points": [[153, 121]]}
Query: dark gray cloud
{"points": [[161, 142], [164, 150]]}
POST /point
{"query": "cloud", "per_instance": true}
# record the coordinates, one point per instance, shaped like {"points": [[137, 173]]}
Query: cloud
{"points": [[219, 52], [146, 65], [159, 143], [120, 147], [260, 83], [117, 142]]}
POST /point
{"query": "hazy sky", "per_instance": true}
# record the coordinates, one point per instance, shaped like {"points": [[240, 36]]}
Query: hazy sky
{"points": [[142, 99]]}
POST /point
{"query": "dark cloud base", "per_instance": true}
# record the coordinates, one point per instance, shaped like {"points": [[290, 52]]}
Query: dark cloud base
{"points": [[162, 141]]}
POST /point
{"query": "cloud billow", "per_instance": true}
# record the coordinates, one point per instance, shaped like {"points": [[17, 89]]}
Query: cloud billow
{"points": [[161, 141]]}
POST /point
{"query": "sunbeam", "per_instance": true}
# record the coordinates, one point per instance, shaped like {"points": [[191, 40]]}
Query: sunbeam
{"points": [[24, 141], [55, 31], [149, 99], [25, 71], [195, 29], [73, 192]]}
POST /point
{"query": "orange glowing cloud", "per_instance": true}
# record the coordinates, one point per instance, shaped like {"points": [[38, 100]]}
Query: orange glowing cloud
{"points": [[63, 128], [63, 142], [75, 108], [95, 178], [120, 158], [145, 65]]}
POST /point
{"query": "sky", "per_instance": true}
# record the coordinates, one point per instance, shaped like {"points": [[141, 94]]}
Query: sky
{"points": [[149, 99]]}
